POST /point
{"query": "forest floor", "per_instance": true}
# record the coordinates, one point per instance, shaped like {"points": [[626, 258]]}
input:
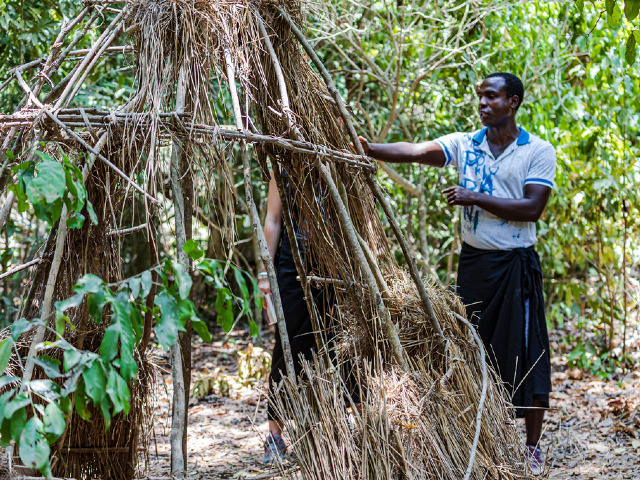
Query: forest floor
{"points": [[592, 431]]}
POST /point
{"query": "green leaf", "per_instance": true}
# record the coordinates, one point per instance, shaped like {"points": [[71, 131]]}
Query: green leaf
{"points": [[240, 280], [609, 5], [95, 382], [201, 329], [4, 400], [50, 366], [47, 389], [580, 5], [49, 183], [7, 380], [183, 279], [615, 16], [91, 212], [631, 9], [17, 421], [253, 329], [70, 302], [118, 392], [105, 411], [73, 357], [6, 346], [169, 324], [21, 326], [134, 286], [96, 303], [88, 284], [80, 401], [224, 308], [53, 421], [75, 221], [109, 345], [636, 33], [147, 282], [630, 49], [191, 249], [34, 449]]}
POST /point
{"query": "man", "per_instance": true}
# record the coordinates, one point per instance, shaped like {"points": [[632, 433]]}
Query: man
{"points": [[506, 175]]}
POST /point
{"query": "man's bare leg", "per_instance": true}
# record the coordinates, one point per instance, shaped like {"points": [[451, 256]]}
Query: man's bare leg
{"points": [[533, 422]]}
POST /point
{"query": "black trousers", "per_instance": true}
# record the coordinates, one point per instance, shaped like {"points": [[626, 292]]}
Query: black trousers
{"points": [[502, 292]]}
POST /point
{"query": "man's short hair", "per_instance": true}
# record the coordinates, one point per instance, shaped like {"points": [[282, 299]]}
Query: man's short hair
{"points": [[513, 84]]}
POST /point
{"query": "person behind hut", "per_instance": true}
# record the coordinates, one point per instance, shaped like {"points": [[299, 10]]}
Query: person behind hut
{"points": [[506, 175], [296, 314]]}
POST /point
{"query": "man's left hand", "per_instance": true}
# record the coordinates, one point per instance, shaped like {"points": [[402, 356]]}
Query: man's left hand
{"points": [[460, 196]]}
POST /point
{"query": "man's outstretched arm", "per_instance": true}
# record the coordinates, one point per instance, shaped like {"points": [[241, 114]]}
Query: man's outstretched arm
{"points": [[527, 209], [428, 153]]}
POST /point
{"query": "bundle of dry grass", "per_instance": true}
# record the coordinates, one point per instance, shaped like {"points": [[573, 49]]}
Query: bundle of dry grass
{"points": [[424, 405]]}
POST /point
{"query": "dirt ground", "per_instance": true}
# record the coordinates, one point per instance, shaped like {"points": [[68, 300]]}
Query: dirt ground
{"points": [[591, 433]]}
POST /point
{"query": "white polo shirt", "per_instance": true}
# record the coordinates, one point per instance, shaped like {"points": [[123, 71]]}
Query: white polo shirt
{"points": [[527, 160]]}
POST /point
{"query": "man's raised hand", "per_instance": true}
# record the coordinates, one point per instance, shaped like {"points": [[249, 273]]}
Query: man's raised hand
{"points": [[365, 145], [460, 196]]}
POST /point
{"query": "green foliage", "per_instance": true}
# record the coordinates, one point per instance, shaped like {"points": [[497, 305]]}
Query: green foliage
{"points": [[616, 11], [214, 272], [33, 414], [47, 185]]}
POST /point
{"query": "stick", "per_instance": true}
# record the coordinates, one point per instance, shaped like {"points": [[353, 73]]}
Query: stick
{"points": [[373, 185], [48, 298], [17, 269], [126, 231], [483, 396], [6, 209], [178, 419], [257, 226]]}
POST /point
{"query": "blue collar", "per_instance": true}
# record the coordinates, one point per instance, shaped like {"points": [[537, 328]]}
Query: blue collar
{"points": [[523, 137]]}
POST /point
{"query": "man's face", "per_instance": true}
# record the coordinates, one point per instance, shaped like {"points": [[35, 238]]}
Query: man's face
{"points": [[494, 107]]}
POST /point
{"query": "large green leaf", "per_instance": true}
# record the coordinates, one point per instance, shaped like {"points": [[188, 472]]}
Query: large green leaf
{"points": [[631, 9], [49, 183], [170, 323], [224, 307], [118, 392], [631, 48], [95, 382], [183, 279], [53, 420], [6, 346], [191, 248], [34, 449]]}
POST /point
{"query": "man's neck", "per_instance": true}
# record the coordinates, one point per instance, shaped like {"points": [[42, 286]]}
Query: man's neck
{"points": [[504, 134]]}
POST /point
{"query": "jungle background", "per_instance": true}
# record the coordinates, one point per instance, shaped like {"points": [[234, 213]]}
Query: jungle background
{"points": [[408, 71]]}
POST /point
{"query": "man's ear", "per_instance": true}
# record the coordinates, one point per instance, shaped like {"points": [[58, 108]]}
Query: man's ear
{"points": [[515, 101]]}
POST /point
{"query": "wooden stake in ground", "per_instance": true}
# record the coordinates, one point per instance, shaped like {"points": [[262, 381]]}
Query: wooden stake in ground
{"points": [[257, 226], [179, 354]]}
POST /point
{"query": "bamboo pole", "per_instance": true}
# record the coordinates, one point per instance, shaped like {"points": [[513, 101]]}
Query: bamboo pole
{"points": [[483, 395], [371, 181], [179, 458], [257, 226]]}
